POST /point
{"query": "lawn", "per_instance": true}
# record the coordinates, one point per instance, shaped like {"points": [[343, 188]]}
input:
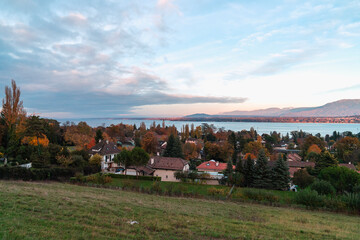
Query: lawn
{"points": [[30, 210]]}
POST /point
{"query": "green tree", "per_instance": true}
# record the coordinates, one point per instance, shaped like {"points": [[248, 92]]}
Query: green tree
{"points": [[342, 178], [124, 158], [228, 174], [262, 176], [280, 175], [302, 178], [139, 157], [249, 172], [98, 135], [326, 159], [173, 147]]}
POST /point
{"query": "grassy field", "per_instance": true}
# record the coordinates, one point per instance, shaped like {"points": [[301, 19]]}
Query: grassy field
{"points": [[31, 210]]}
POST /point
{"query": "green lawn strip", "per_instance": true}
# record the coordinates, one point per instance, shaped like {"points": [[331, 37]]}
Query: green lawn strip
{"points": [[63, 211]]}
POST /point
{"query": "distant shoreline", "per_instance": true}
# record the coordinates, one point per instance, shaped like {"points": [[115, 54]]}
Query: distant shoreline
{"points": [[346, 120]]}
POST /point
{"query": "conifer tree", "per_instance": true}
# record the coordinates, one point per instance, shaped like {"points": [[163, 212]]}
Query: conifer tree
{"points": [[249, 172], [228, 174], [325, 160], [239, 168], [262, 176], [280, 175], [173, 147]]}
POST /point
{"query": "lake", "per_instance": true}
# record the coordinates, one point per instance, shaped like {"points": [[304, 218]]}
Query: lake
{"points": [[260, 127]]}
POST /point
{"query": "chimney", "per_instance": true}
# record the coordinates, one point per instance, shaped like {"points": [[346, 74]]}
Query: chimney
{"points": [[157, 154], [107, 141], [152, 161], [349, 162], [217, 164], [99, 140]]}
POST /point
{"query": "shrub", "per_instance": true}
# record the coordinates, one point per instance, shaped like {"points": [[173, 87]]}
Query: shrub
{"points": [[259, 195], [127, 184], [334, 203], [342, 178], [180, 190], [356, 188], [156, 187], [99, 178], [213, 191], [309, 198], [302, 178], [352, 201], [19, 173], [323, 187], [148, 178]]}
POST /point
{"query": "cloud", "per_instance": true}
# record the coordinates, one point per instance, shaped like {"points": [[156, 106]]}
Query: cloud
{"points": [[276, 63]]}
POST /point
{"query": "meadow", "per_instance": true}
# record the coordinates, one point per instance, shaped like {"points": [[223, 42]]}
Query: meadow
{"points": [[51, 210]]}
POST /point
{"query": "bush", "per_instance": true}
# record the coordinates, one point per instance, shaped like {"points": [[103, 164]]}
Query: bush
{"points": [[127, 184], [259, 195], [352, 201], [26, 174], [342, 178], [149, 178], [334, 203], [356, 188], [99, 178], [156, 187], [309, 198], [302, 178], [323, 187], [213, 191]]}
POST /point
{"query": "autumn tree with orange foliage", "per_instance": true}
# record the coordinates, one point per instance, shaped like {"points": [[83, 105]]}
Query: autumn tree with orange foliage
{"points": [[79, 135], [218, 151], [314, 148], [149, 142], [191, 151], [36, 141]]}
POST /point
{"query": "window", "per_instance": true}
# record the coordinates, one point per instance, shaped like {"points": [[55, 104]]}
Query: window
{"points": [[166, 176]]}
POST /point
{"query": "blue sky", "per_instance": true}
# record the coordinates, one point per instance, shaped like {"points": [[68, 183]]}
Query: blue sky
{"points": [[76, 59]]}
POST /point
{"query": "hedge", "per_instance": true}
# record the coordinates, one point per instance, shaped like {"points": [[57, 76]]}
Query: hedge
{"points": [[149, 178], [26, 174]]}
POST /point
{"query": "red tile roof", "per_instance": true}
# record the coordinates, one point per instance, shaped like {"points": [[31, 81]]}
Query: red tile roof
{"points": [[212, 166]]}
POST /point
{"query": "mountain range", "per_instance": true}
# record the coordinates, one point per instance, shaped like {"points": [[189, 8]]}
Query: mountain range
{"points": [[341, 108]]}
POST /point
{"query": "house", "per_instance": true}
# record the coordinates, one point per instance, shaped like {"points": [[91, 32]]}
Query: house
{"points": [[295, 166], [139, 171], [165, 167], [214, 169], [107, 150]]}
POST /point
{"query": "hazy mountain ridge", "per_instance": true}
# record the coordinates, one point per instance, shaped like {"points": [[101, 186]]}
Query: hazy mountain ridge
{"points": [[341, 108]]}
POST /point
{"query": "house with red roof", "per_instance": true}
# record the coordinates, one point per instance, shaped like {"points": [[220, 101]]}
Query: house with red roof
{"points": [[214, 169]]}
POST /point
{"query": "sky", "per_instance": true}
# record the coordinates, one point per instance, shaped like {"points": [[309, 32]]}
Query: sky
{"points": [[166, 58]]}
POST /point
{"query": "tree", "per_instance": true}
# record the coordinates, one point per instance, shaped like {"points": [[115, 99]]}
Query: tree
{"points": [[124, 158], [249, 172], [346, 146], [12, 107], [302, 178], [173, 147], [239, 168], [228, 174], [139, 157], [13, 117], [98, 135], [342, 178], [95, 160], [191, 151], [280, 175], [262, 176], [325, 160], [149, 142]]}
